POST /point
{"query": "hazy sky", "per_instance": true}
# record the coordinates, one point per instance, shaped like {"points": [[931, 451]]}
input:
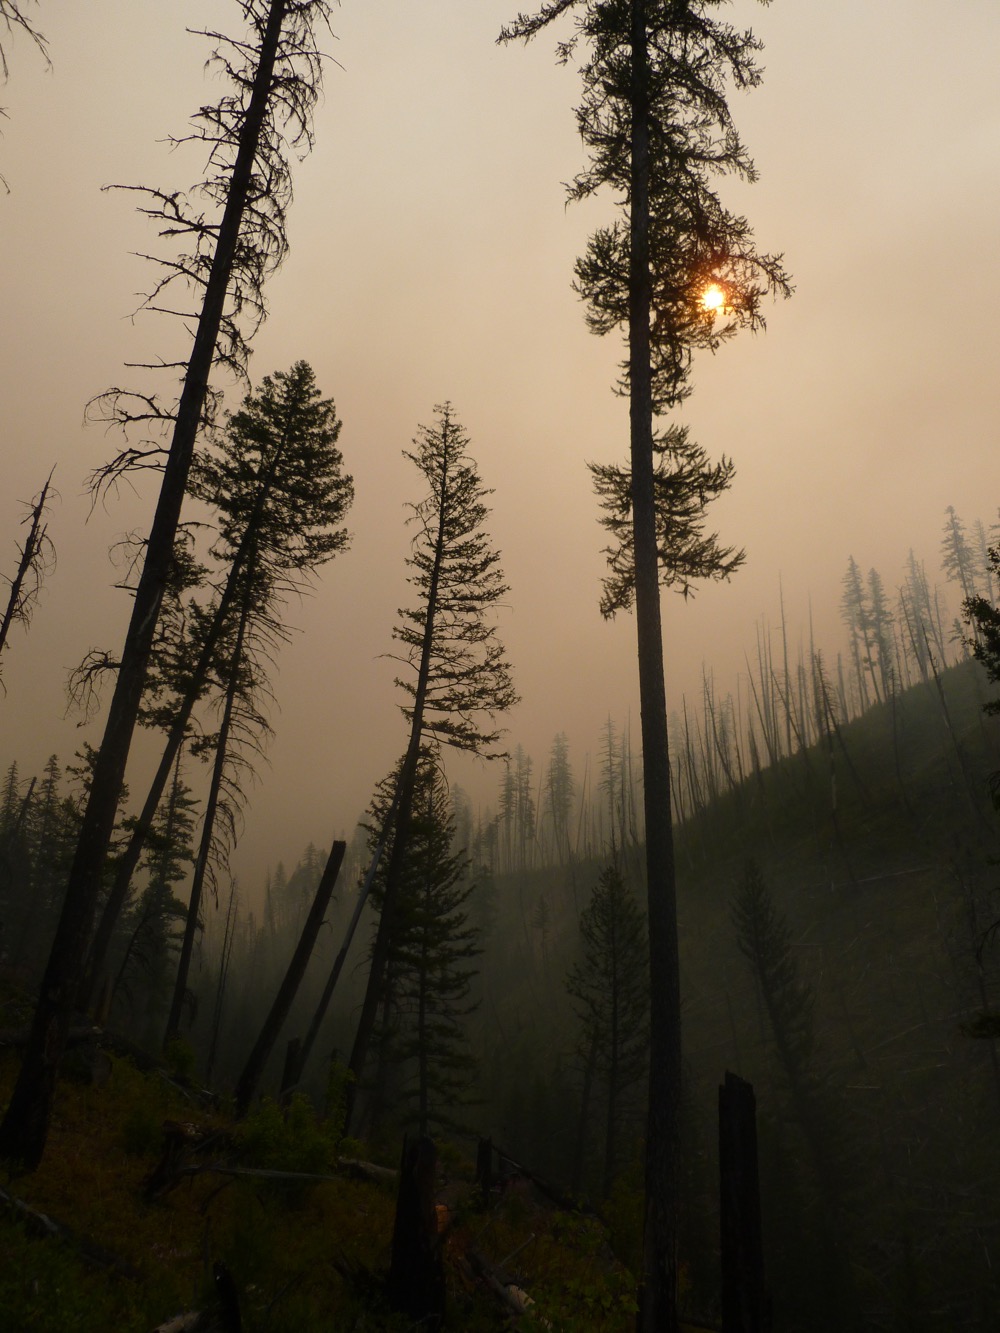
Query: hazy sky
{"points": [[431, 258]]}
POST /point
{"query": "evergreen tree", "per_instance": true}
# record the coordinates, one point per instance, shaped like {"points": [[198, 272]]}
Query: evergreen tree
{"points": [[611, 784], [656, 121], [154, 924], [559, 793], [984, 620], [50, 832], [15, 865], [430, 969], [958, 559], [192, 640], [765, 940], [856, 614], [286, 433], [882, 635], [982, 563], [456, 674], [523, 812], [609, 987], [10, 801], [303, 882]]}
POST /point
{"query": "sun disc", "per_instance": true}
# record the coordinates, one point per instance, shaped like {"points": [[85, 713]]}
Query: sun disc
{"points": [[713, 298]]}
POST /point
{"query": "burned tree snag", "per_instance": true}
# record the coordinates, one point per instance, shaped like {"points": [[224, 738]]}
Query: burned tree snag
{"points": [[416, 1271], [258, 1057], [745, 1307]]}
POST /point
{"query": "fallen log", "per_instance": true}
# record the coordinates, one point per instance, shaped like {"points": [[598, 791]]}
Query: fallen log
{"points": [[40, 1224], [180, 1173], [551, 1192], [516, 1300], [353, 1166]]}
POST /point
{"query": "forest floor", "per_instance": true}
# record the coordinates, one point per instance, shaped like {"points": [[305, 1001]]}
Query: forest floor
{"points": [[303, 1255]]}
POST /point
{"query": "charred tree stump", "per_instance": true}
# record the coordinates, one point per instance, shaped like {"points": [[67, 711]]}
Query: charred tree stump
{"points": [[745, 1306], [416, 1271]]}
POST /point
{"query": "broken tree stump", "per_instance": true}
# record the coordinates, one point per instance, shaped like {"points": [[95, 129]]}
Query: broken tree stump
{"points": [[416, 1271], [745, 1305]]}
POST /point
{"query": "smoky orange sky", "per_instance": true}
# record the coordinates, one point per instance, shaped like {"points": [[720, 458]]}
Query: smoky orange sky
{"points": [[431, 258]]}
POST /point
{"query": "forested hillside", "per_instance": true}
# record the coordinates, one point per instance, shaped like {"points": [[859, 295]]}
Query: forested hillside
{"points": [[531, 986], [836, 908]]}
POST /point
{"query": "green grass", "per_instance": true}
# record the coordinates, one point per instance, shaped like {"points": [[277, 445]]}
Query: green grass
{"points": [[304, 1257]]}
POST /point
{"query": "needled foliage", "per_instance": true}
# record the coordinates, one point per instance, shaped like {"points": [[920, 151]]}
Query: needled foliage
{"points": [[458, 677], [423, 1045], [277, 483], [684, 481], [153, 925], [984, 619], [609, 990], [765, 940]]}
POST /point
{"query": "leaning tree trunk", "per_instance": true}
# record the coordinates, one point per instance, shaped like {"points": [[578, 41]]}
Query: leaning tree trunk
{"points": [[129, 859], [658, 1279], [341, 958], [246, 1087], [33, 546], [25, 1126], [208, 827]]}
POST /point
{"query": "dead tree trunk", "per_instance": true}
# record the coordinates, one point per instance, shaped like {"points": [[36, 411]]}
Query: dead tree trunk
{"points": [[258, 1057], [416, 1271], [744, 1300]]}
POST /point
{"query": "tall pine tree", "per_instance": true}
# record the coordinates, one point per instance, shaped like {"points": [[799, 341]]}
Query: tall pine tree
{"points": [[455, 671], [656, 121]]}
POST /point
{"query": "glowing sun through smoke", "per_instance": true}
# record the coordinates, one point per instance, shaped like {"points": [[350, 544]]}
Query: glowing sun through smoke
{"points": [[713, 298]]}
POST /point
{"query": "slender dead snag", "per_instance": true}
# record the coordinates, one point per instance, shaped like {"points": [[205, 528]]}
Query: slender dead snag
{"points": [[36, 560], [246, 1086]]}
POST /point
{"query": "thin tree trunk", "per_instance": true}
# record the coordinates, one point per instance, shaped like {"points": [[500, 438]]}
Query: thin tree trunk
{"points": [[32, 546], [175, 739], [658, 1280], [744, 1299], [246, 1086], [581, 1133], [25, 1126], [157, 881], [423, 1042], [614, 1051], [228, 938], [338, 963], [208, 829]]}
